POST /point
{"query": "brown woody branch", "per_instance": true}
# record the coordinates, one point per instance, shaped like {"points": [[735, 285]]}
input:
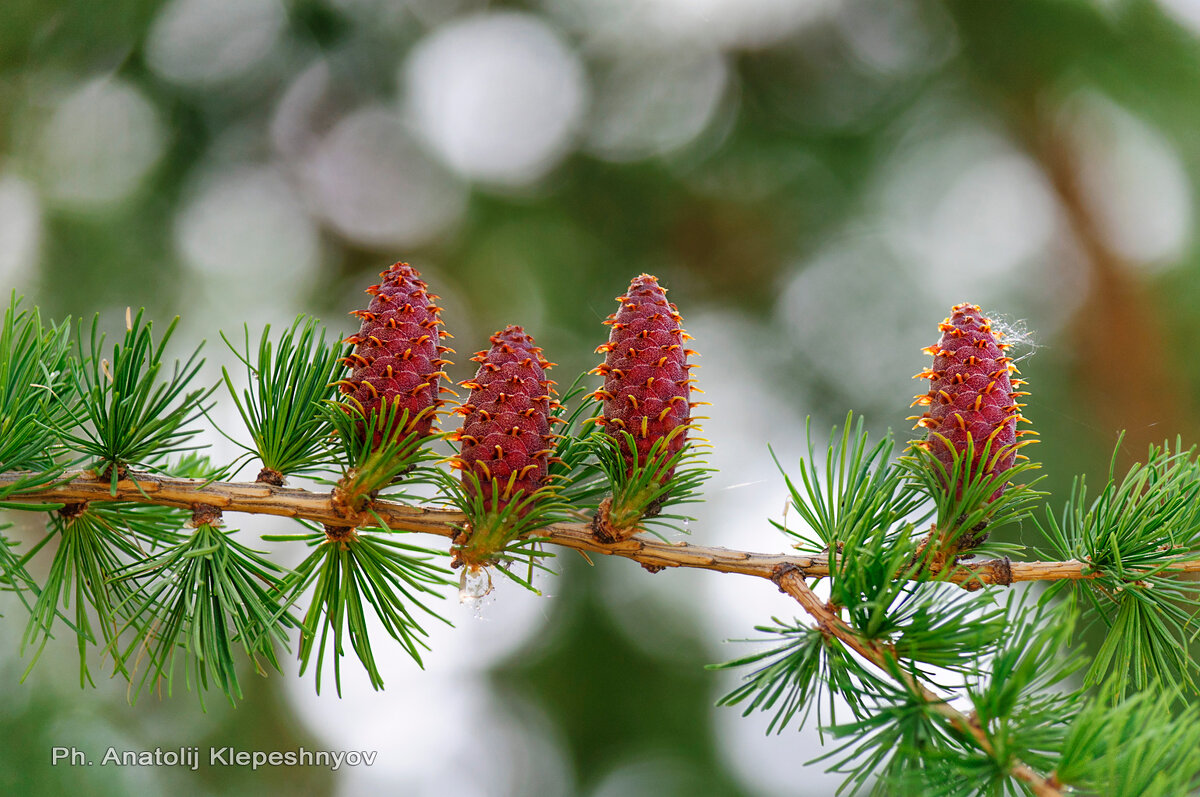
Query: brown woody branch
{"points": [[264, 499]]}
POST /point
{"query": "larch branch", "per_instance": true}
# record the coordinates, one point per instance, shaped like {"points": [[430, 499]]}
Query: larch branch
{"points": [[266, 499]]}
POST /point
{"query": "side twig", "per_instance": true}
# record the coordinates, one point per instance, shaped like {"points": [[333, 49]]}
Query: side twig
{"points": [[792, 582]]}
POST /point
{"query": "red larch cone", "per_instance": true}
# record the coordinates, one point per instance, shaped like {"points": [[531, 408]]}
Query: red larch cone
{"points": [[646, 383], [397, 357], [972, 393], [506, 433]]}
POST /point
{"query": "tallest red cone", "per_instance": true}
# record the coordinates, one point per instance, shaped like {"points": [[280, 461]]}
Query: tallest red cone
{"points": [[646, 384], [397, 357]]}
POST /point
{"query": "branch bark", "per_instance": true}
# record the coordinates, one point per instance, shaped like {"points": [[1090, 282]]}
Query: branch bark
{"points": [[265, 499]]}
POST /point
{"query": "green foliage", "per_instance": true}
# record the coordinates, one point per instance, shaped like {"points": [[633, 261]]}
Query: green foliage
{"points": [[573, 470], [897, 741], [641, 490], [1021, 697], [350, 573], [853, 494], [373, 451], [1142, 746], [963, 513], [289, 382], [903, 741], [130, 413], [1014, 660], [861, 507], [94, 543], [806, 669], [35, 395], [13, 575], [160, 602], [1132, 523], [936, 625], [814, 120], [876, 581], [194, 603], [501, 536], [1130, 536]]}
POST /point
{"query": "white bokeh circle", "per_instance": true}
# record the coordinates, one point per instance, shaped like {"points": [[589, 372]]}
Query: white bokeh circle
{"points": [[376, 184], [499, 96], [244, 225], [20, 229], [99, 144], [655, 104], [198, 42]]}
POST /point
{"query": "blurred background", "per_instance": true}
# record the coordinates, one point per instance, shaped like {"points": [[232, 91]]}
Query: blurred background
{"points": [[816, 181]]}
